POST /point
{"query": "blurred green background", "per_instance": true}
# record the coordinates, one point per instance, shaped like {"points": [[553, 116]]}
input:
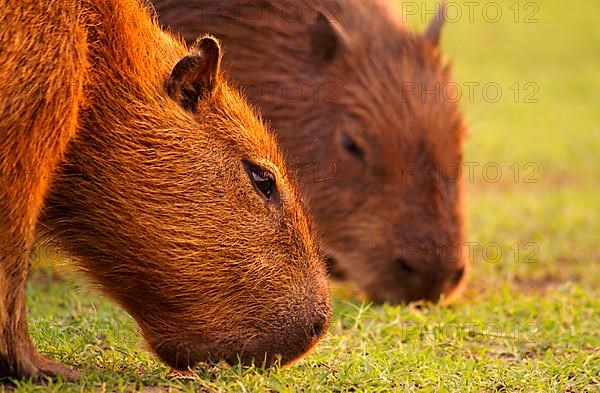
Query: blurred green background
{"points": [[551, 51], [528, 322]]}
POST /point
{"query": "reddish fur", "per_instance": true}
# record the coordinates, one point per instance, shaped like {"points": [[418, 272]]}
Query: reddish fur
{"points": [[373, 214], [152, 200]]}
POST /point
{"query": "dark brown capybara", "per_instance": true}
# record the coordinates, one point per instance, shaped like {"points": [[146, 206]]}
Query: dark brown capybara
{"points": [[347, 85], [134, 155]]}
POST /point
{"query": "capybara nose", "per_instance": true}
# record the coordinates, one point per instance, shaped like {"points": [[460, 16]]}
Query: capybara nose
{"points": [[423, 281], [317, 321], [285, 346]]}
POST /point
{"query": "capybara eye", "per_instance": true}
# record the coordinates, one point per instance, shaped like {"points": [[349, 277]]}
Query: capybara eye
{"points": [[352, 147], [263, 180]]}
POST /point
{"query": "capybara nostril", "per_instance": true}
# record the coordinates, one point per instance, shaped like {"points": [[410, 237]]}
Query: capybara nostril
{"points": [[404, 266], [458, 275], [317, 329]]}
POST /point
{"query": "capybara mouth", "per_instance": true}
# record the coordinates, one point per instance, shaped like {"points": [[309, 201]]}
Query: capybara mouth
{"points": [[184, 358], [286, 354], [185, 355], [261, 351]]}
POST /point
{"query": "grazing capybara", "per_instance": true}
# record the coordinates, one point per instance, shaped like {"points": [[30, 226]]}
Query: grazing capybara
{"points": [[359, 103], [134, 155]]}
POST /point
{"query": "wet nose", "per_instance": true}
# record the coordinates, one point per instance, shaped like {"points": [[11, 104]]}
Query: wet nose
{"points": [[304, 333], [316, 316], [425, 281]]}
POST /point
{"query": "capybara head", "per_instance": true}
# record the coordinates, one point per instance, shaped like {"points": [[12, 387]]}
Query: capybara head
{"points": [[176, 200], [366, 110]]}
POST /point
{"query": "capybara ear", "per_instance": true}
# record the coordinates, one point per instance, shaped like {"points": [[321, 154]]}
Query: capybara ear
{"points": [[325, 39], [434, 31], [195, 75]]}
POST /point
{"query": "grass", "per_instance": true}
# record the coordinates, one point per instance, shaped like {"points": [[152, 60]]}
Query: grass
{"points": [[525, 324]]}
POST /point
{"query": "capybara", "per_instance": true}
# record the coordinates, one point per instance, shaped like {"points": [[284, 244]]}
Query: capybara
{"points": [[366, 110], [134, 155]]}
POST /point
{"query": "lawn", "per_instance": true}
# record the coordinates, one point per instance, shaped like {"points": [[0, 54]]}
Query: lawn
{"points": [[530, 320]]}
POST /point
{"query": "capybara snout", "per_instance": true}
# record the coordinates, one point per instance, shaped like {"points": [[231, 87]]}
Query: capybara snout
{"points": [[416, 279], [279, 335]]}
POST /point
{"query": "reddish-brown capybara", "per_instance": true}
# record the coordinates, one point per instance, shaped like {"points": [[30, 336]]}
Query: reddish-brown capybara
{"points": [[359, 103], [134, 155]]}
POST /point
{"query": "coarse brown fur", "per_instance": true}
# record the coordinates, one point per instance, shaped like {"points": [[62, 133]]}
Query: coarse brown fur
{"points": [[365, 109], [140, 170]]}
